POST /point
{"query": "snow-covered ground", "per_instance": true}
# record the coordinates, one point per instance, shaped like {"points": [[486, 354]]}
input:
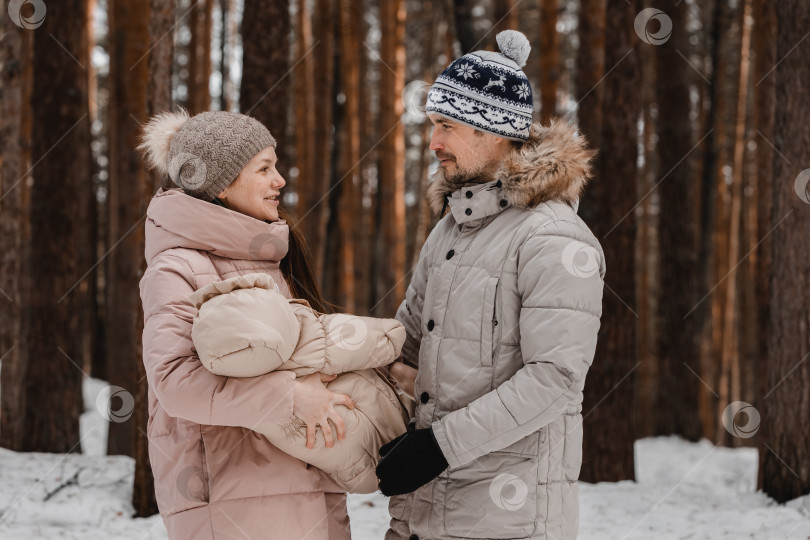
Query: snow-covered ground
{"points": [[684, 491]]}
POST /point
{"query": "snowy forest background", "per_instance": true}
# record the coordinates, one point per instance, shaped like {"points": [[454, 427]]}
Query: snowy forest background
{"points": [[700, 200]]}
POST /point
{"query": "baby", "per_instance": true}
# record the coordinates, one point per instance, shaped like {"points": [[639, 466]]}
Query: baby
{"points": [[246, 328]]}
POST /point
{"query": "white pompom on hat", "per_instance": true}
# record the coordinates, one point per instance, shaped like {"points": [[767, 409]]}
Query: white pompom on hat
{"points": [[514, 46]]}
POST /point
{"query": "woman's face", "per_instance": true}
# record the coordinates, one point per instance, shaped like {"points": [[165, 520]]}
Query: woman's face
{"points": [[257, 189]]}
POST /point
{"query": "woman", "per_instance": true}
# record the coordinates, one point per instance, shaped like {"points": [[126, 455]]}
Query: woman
{"points": [[214, 477]]}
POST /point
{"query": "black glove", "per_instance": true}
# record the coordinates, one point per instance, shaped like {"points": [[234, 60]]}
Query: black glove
{"points": [[409, 462]]}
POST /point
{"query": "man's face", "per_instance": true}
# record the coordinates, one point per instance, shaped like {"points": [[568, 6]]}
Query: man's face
{"points": [[464, 153]]}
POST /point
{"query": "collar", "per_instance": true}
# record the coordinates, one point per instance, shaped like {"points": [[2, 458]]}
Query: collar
{"points": [[475, 203]]}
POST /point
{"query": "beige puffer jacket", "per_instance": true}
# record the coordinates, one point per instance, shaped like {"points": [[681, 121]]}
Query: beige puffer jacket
{"points": [[245, 327], [502, 315]]}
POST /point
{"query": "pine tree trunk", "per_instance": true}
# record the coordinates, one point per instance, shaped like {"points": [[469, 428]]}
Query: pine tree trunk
{"points": [[549, 59], [16, 287], [762, 120], [723, 325], [265, 90], [60, 154], [128, 193], [88, 312], [392, 159], [785, 438], [678, 345], [591, 69], [158, 99], [303, 101], [199, 65], [730, 347], [314, 202], [363, 224], [648, 253], [348, 172], [504, 17], [610, 391], [468, 37]]}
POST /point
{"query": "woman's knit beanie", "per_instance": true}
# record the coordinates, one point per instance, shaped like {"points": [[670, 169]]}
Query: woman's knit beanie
{"points": [[203, 154]]}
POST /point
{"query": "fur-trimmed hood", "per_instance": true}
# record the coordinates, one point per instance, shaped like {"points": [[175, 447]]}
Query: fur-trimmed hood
{"points": [[555, 163]]}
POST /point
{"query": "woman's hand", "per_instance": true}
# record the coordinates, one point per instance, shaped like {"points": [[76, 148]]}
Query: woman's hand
{"points": [[314, 405], [405, 376]]}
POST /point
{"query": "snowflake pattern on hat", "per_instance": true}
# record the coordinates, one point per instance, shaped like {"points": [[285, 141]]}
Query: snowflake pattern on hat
{"points": [[466, 70]]}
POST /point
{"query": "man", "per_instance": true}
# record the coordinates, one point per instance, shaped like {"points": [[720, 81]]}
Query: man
{"points": [[501, 315]]}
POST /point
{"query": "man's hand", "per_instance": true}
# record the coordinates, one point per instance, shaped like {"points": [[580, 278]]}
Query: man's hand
{"points": [[405, 376], [409, 462]]}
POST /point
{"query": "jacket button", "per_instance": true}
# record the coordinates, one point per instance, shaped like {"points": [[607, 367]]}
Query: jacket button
{"points": [[469, 194], [425, 397], [468, 211], [450, 254], [430, 325], [503, 203]]}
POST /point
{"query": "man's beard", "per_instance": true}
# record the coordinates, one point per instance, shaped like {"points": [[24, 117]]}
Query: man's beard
{"points": [[462, 178]]}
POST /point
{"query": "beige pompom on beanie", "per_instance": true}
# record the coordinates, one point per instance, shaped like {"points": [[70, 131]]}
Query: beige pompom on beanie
{"points": [[203, 154]]}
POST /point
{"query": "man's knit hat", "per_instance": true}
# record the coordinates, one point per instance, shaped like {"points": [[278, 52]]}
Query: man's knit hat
{"points": [[203, 154], [487, 90]]}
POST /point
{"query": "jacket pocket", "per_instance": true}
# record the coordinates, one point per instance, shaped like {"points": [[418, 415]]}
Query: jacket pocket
{"points": [[572, 449], [204, 472], [489, 321], [495, 496]]}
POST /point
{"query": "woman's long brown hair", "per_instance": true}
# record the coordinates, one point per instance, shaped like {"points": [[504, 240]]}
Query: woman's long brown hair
{"points": [[297, 268]]}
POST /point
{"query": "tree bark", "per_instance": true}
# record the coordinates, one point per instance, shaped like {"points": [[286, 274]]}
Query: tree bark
{"points": [[348, 171], [15, 229], [303, 102], [128, 193], [762, 120], [469, 38], [265, 90], [610, 392], [678, 343], [60, 154], [158, 99], [549, 59], [591, 69], [314, 201], [199, 65], [786, 439], [392, 159], [505, 16]]}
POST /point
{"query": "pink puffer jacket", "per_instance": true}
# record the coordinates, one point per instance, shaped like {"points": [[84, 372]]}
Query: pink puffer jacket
{"points": [[245, 327], [215, 478]]}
